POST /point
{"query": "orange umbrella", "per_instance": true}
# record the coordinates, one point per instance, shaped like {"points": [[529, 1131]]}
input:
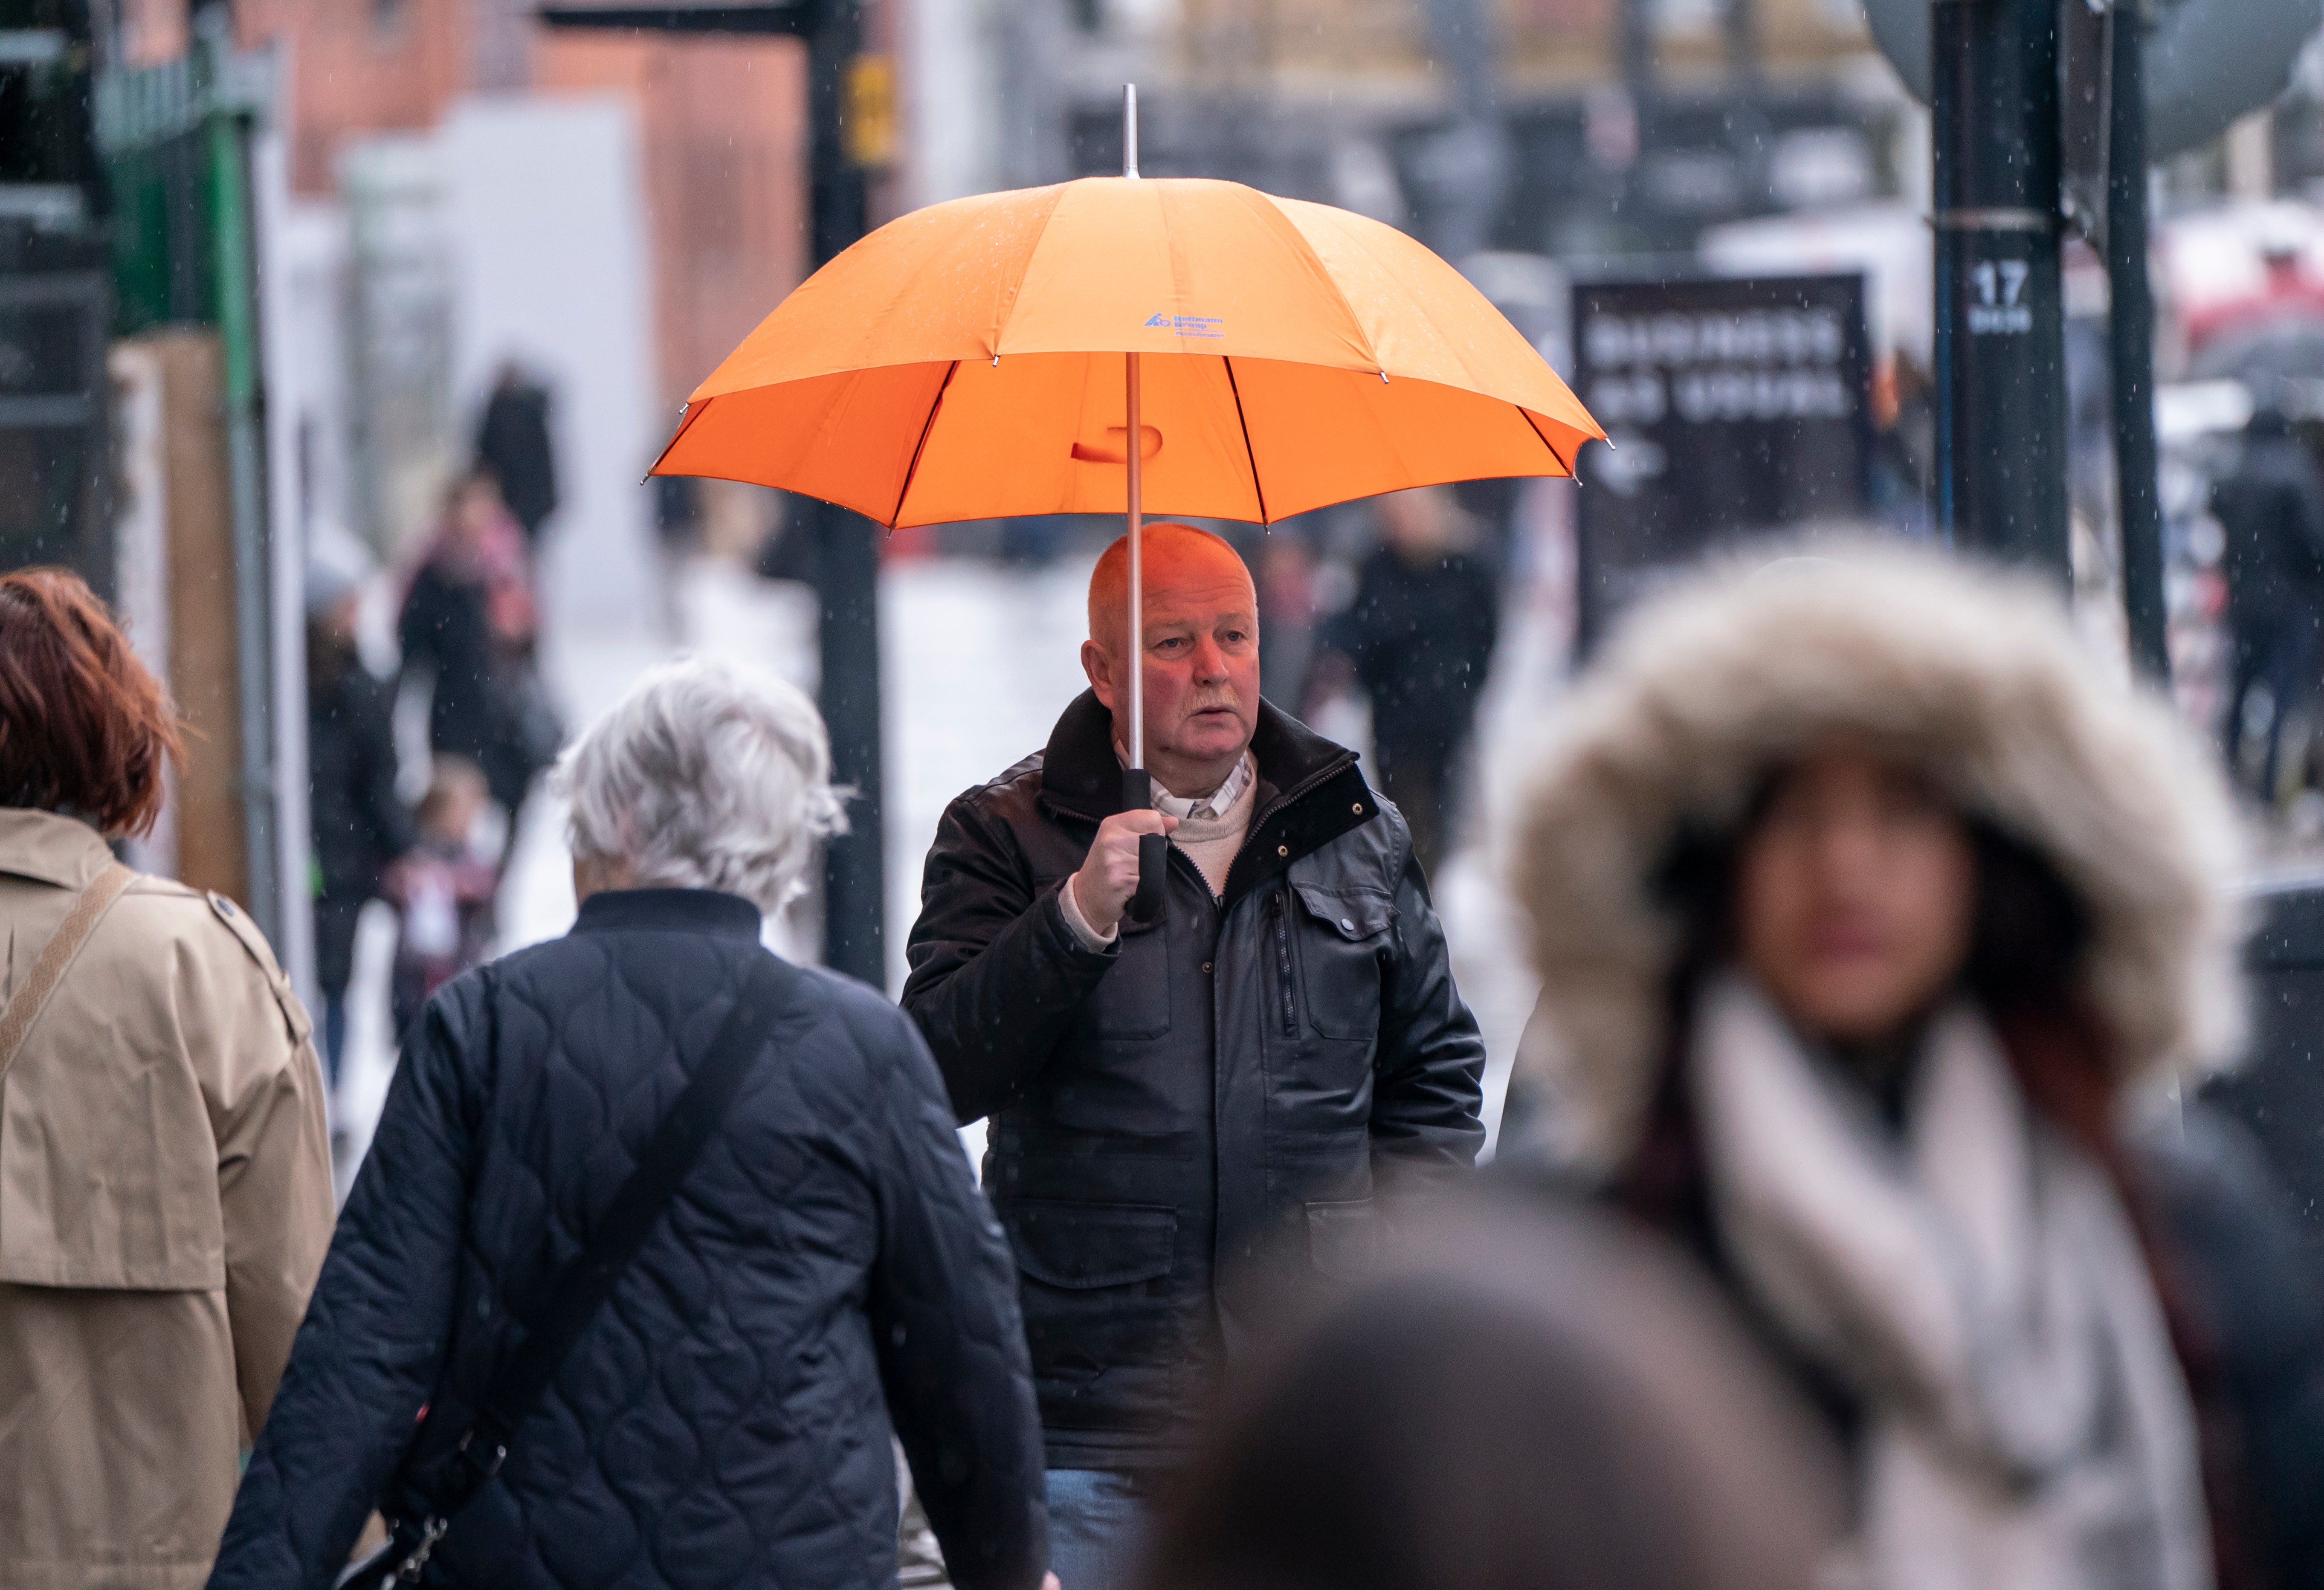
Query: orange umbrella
{"points": [[986, 357], [966, 362]]}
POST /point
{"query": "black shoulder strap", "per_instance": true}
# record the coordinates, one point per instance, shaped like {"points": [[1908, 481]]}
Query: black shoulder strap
{"points": [[588, 1278]]}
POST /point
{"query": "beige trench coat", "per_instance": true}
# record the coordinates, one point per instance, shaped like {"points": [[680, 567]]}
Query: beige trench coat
{"points": [[165, 1201]]}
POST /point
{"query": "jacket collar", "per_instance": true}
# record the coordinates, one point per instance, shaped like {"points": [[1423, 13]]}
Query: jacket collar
{"points": [[1297, 769], [1080, 774], [682, 911], [42, 845]]}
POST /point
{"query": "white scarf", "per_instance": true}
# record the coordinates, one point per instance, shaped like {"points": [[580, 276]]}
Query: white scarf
{"points": [[1978, 1284]]}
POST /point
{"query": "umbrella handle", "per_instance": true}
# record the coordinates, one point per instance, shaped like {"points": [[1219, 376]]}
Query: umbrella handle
{"points": [[1153, 848]]}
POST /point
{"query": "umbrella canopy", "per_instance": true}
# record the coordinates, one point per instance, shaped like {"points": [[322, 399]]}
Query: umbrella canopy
{"points": [[964, 362]]}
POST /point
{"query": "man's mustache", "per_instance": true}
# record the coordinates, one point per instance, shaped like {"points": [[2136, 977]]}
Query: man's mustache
{"points": [[1203, 704]]}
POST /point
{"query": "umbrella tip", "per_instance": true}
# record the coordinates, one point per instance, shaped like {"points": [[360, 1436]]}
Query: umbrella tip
{"points": [[1129, 129]]}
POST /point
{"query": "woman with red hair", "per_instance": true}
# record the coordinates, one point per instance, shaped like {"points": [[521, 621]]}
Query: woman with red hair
{"points": [[165, 1194]]}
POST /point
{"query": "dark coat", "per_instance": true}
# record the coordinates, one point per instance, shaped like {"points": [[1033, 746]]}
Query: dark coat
{"points": [[1421, 639], [2271, 512], [478, 702], [444, 626], [514, 443], [1245, 1068], [2237, 1241], [827, 1268], [360, 824]]}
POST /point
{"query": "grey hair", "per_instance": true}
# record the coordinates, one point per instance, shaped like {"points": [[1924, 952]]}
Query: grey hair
{"points": [[706, 775]]}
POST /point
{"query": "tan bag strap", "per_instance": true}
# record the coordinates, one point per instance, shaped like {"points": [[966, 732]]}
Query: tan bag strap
{"points": [[32, 998]]}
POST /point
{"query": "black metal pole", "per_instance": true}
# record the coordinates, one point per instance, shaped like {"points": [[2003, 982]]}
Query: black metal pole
{"points": [[2001, 393], [2131, 333], [847, 553], [844, 547]]}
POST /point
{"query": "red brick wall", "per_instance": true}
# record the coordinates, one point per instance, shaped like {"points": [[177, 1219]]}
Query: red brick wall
{"points": [[360, 66], [723, 130], [722, 124]]}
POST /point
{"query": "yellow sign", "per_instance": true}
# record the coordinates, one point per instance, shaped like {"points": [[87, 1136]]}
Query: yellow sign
{"points": [[870, 116]]}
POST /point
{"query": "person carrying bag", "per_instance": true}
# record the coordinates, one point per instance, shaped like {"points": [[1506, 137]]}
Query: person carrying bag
{"points": [[583, 1285], [165, 1190], [659, 1239]]}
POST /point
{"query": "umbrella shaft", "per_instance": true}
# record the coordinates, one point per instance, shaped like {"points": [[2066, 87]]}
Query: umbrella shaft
{"points": [[1136, 573]]}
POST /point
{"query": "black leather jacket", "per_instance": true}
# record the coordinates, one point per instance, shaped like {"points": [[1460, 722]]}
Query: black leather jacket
{"points": [[1244, 1072]]}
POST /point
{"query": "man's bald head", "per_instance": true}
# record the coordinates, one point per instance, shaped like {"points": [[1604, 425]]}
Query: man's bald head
{"points": [[1175, 553]]}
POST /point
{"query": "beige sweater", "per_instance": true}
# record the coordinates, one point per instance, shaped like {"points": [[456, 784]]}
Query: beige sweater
{"points": [[1211, 842]]}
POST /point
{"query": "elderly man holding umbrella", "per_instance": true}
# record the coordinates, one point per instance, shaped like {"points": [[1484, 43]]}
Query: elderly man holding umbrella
{"points": [[1187, 965], [1251, 1064]]}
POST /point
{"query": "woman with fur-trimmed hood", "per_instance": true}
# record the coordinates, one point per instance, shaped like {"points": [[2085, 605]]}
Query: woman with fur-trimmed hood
{"points": [[1866, 907]]}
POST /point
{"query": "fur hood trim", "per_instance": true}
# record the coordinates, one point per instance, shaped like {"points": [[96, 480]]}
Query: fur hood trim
{"points": [[1975, 675]]}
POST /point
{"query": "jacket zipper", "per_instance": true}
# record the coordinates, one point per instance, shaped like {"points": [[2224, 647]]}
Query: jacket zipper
{"points": [[1283, 963]]}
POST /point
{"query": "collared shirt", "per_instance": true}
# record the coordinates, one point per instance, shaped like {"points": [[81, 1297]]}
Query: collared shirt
{"points": [[1202, 808], [1215, 805]]}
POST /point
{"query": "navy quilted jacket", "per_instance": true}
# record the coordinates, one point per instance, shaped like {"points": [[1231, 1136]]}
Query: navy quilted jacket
{"points": [[827, 1266]]}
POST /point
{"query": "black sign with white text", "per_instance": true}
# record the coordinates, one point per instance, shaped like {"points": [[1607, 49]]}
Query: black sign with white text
{"points": [[1734, 408]]}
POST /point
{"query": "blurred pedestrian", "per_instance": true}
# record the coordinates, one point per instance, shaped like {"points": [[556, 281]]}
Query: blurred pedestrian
{"points": [[825, 1269], [2270, 508], [1867, 911], [514, 443], [1419, 636], [1282, 1044], [1904, 445], [360, 826], [1287, 614], [165, 1186], [1525, 1400], [469, 624], [443, 888]]}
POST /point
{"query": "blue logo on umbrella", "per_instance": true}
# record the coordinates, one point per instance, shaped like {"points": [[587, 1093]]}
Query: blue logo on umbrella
{"points": [[1212, 327]]}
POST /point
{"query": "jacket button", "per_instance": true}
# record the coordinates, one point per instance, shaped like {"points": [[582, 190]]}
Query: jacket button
{"points": [[1283, 849], [1346, 926], [1206, 965], [1358, 808]]}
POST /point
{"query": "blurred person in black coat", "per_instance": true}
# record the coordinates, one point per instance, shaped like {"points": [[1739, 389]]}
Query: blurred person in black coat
{"points": [[1419, 636], [514, 443], [2272, 511], [469, 623], [360, 827]]}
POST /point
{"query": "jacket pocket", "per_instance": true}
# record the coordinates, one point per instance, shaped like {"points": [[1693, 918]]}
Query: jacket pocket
{"points": [[1342, 1238], [1093, 1281], [1341, 950]]}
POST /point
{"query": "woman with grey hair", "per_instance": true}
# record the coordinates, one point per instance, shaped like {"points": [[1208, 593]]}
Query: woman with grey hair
{"points": [[716, 1407]]}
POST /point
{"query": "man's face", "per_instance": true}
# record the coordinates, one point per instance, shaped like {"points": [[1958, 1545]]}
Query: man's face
{"points": [[1201, 639]]}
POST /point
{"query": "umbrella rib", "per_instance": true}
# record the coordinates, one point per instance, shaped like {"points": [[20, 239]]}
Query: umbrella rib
{"points": [[1546, 442], [920, 447], [1244, 424]]}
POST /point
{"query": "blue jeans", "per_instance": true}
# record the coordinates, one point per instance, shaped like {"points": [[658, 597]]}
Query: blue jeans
{"points": [[1097, 1524]]}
